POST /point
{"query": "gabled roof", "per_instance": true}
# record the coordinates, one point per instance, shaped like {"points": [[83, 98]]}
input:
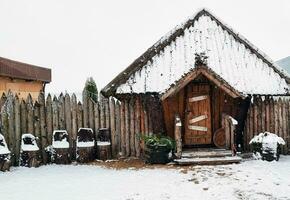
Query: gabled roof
{"points": [[15, 69], [230, 56]]}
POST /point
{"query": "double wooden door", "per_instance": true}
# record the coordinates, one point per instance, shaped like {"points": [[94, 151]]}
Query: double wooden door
{"points": [[198, 116]]}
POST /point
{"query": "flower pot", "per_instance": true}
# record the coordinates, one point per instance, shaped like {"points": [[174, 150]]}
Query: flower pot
{"points": [[158, 154]]}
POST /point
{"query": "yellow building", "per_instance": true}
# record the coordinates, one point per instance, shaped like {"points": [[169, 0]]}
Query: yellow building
{"points": [[23, 79]]}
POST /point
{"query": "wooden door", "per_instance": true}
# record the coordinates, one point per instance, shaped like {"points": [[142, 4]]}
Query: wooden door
{"points": [[198, 116]]}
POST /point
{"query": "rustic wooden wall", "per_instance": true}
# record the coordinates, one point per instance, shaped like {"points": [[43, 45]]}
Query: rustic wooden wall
{"points": [[268, 114], [127, 120], [21, 87]]}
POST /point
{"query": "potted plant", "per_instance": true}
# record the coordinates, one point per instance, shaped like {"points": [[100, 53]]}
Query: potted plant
{"points": [[267, 146], [158, 149]]}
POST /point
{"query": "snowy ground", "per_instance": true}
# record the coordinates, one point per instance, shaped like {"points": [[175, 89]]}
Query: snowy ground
{"points": [[249, 180]]}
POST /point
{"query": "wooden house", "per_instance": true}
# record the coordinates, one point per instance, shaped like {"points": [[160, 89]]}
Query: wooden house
{"points": [[23, 79], [203, 73]]}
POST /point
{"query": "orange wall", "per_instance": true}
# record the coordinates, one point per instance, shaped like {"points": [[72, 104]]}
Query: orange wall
{"points": [[21, 87]]}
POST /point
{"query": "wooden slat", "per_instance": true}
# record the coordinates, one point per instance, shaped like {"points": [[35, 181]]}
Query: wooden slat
{"points": [[17, 120], [61, 112], [198, 98], [132, 109], [74, 126], [43, 131], [197, 128], [85, 108], [49, 128], [118, 127], [123, 129], [55, 113], [68, 117], [113, 127], [137, 126], [127, 128], [96, 118], [29, 107], [197, 119]]}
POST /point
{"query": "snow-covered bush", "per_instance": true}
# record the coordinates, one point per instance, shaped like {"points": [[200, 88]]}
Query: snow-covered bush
{"points": [[267, 146]]}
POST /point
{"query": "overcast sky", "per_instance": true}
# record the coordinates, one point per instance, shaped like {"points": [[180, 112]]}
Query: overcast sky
{"points": [[77, 39]]}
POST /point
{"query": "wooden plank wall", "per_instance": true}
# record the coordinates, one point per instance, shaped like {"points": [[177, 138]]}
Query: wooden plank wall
{"points": [[268, 114], [127, 120]]}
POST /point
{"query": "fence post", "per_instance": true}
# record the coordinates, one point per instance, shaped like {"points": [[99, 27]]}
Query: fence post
{"points": [[17, 129], [49, 127], [68, 117], [113, 127]]}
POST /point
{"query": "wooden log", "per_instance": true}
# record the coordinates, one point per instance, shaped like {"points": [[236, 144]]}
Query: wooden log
{"points": [[23, 114], [85, 154], [49, 121], [68, 118], [284, 124], [280, 116], [85, 108], [2, 99], [36, 122], [96, 118], [11, 127], [137, 126], [43, 131], [17, 129], [118, 127], [123, 129], [91, 114], [267, 114], [102, 113], [127, 128], [178, 136], [259, 115], [146, 125], [29, 107], [62, 156], [55, 114], [107, 113], [227, 129], [276, 112], [247, 133], [103, 150], [113, 127], [272, 114], [5, 125], [263, 115], [132, 109], [61, 112], [80, 116], [251, 121], [74, 107]]}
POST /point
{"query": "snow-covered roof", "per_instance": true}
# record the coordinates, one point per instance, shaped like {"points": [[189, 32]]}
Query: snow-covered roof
{"points": [[230, 56]]}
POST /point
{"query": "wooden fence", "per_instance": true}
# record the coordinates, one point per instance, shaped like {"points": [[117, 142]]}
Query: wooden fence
{"points": [[126, 121], [268, 114]]}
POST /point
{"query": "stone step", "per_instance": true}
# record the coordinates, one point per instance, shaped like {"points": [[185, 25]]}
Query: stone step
{"points": [[209, 153], [209, 160]]}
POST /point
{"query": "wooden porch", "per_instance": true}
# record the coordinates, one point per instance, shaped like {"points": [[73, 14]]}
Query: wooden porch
{"points": [[223, 153]]}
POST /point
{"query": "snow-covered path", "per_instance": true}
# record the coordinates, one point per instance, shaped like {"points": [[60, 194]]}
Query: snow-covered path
{"points": [[249, 180]]}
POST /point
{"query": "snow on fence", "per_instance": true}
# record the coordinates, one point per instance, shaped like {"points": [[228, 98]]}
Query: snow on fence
{"points": [[268, 114], [44, 116]]}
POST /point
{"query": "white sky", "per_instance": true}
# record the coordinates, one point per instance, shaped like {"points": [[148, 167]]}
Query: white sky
{"points": [[100, 38]]}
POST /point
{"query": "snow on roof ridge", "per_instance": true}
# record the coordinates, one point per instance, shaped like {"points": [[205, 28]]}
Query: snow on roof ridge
{"points": [[207, 11], [173, 35]]}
